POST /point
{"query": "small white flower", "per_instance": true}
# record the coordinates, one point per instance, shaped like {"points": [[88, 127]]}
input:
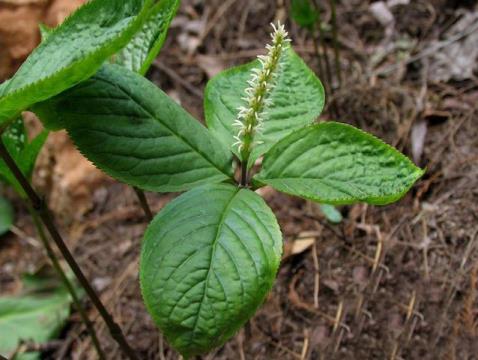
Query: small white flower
{"points": [[250, 119]]}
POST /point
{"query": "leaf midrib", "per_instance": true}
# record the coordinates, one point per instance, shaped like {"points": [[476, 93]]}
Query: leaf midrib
{"points": [[151, 115], [213, 251]]}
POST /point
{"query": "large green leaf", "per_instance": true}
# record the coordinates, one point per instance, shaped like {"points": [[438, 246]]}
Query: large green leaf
{"points": [[141, 51], [134, 132], [6, 215], [72, 52], [335, 163], [21, 150], [208, 260], [38, 315], [297, 100]]}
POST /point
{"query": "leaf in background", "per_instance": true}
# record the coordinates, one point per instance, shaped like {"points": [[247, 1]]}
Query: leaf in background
{"points": [[331, 213], [297, 100], [303, 13], [21, 150], [15, 136], [141, 51], [335, 163], [72, 52], [208, 260], [6, 215], [37, 315], [134, 132]]}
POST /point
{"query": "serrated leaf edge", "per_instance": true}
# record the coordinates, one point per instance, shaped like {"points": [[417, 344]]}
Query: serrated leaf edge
{"points": [[136, 23], [259, 181]]}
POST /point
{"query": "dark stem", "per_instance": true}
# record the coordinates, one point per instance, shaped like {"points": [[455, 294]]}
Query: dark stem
{"points": [[41, 209], [56, 265], [321, 35], [338, 72], [327, 65], [144, 203], [244, 173], [317, 53], [328, 70]]}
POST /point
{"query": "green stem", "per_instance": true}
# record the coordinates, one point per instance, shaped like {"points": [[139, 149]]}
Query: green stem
{"points": [[67, 283], [144, 203], [42, 211], [336, 43]]}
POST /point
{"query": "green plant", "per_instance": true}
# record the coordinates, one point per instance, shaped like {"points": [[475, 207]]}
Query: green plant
{"points": [[130, 33], [15, 141], [210, 257], [37, 315], [24, 152]]}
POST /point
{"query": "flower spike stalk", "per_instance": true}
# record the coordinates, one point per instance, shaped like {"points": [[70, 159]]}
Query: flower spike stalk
{"points": [[250, 117]]}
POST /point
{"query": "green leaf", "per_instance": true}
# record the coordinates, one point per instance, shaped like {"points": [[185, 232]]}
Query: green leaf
{"points": [[72, 52], [335, 163], [6, 215], [15, 136], [303, 13], [141, 51], [35, 316], [134, 132], [208, 260], [22, 151], [331, 213], [297, 100]]}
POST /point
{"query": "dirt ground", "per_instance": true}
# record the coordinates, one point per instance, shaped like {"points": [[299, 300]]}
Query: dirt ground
{"points": [[393, 282]]}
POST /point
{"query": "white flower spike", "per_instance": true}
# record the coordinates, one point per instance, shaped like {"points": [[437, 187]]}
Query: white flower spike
{"points": [[262, 81]]}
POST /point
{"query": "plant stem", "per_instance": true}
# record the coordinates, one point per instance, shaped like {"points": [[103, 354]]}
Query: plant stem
{"points": [[318, 25], [41, 209], [244, 173], [67, 283], [336, 43], [320, 31], [144, 203], [317, 54]]}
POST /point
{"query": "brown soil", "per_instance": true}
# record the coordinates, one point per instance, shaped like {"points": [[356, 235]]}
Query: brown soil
{"points": [[19, 32], [394, 282]]}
